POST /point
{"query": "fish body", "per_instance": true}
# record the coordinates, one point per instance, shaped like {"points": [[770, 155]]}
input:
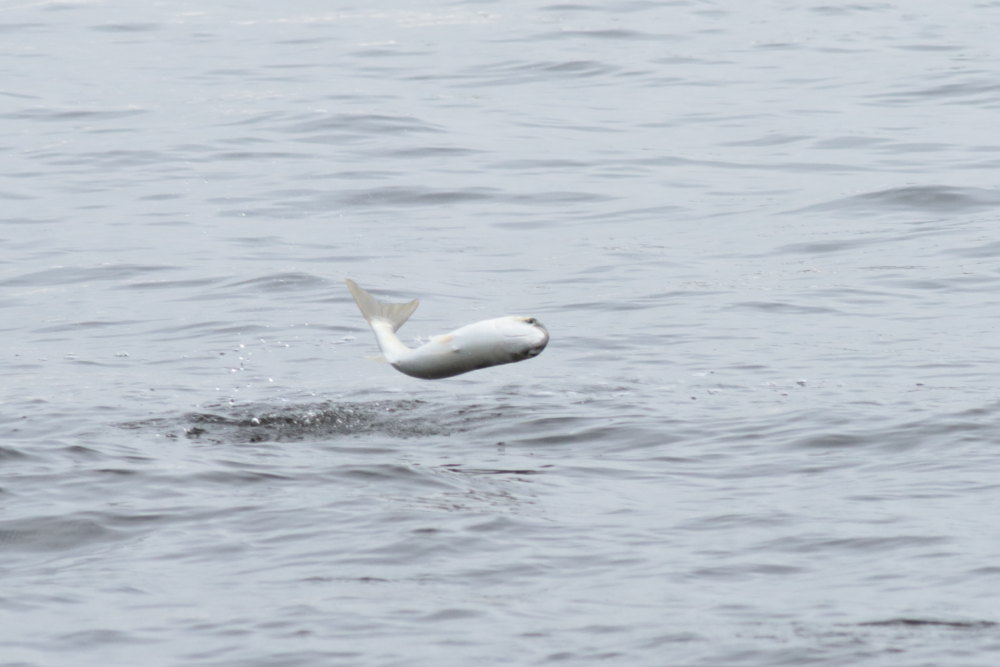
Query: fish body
{"points": [[502, 340]]}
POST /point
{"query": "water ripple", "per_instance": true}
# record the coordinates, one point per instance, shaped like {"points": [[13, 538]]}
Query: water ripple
{"points": [[936, 199]]}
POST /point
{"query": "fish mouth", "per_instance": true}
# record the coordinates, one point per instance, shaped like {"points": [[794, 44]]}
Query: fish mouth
{"points": [[536, 350], [531, 340]]}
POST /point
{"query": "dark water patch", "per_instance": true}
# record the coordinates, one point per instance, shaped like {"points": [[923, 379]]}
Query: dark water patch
{"points": [[227, 478], [845, 429], [930, 47], [376, 125], [393, 196], [567, 7], [612, 34], [562, 125], [740, 571], [18, 95], [575, 431], [422, 152], [183, 285], [568, 67], [266, 118], [20, 28], [31, 221], [772, 520], [53, 115], [784, 308], [520, 72], [642, 214], [849, 142], [553, 198], [280, 282], [940, 431], [988, 249], [980, 424], [392, 51], [85, 326], [318, 421], [540, 165], [399, 477], [458, 468], [72, 275], [921, 284], [10, 453], [778, 46], [98, 639], [53, 533], [12, 196], [224, 332], [243, 156], [120, 158], [783, 167], [851, 8], [930, 622], [835, 245], [935, 199], [904, 147], [167, 196], [127, 27], [870, 546], [768, 140], [82, 453], [978, 92], [833, 440]]}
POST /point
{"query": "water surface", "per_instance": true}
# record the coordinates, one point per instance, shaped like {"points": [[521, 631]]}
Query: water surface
{"points": [[762, 237]]}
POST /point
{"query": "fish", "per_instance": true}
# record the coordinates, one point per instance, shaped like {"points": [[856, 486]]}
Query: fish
{"points": [[503, 340]]}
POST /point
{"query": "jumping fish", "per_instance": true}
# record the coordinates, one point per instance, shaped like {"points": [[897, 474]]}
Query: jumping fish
{"points": [[503, 340]]}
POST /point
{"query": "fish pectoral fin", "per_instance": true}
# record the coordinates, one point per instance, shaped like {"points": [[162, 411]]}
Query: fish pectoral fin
{"points": [[448, 340]]}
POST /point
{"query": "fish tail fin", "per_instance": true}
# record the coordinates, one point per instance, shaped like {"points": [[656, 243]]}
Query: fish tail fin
{"points": [[373, 309]]}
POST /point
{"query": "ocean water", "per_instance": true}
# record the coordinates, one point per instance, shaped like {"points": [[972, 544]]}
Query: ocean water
{"points": [[762, 235]]}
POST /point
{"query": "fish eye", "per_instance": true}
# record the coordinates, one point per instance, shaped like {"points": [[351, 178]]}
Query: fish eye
{"points": [[531, 320]]}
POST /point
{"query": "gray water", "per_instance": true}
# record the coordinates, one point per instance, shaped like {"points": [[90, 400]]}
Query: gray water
{"points": [[764, 239]]}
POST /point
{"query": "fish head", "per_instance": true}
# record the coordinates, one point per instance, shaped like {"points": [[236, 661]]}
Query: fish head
{"points": [[523, 337]]}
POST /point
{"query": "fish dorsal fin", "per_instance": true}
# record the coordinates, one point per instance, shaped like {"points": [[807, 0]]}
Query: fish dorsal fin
{"points": [[395, 314]]}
